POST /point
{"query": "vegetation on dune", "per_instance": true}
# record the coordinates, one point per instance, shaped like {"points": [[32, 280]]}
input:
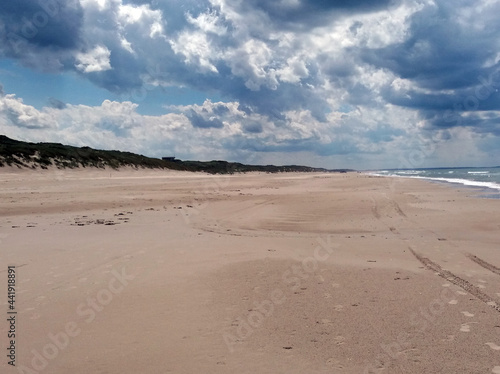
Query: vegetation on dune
{"points": [[42, 155]]}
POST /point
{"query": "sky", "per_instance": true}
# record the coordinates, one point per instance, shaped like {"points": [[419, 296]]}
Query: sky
{"points": [[363, 84]]}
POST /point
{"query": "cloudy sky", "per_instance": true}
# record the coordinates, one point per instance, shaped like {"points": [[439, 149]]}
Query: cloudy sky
{"points": [[342, 83]]}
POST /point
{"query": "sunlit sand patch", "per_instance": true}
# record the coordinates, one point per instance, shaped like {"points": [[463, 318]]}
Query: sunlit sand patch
{"points": [[467, 314], [453, 302], [496, 370], [493, 346]]}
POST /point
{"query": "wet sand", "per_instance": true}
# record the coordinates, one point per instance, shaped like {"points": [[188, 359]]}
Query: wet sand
{"points": [[171, 272]]}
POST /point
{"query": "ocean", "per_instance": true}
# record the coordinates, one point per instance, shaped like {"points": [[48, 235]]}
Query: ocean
{"points": [[486, 179]]}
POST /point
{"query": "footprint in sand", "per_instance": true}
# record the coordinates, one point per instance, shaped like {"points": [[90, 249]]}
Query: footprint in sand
{"points": [[334, 363], [465, 327], [467, 314], [496, 370], [339, 340], [493, 346]]}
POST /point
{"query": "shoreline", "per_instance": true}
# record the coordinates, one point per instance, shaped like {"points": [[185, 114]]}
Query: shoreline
{"points": [[486, 188], [289, 272]]}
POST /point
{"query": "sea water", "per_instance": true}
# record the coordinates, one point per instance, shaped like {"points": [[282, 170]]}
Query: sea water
{"points": [[485, 178]]}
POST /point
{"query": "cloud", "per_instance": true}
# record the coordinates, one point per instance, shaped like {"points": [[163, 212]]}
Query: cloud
{"points": [[347, 79], [449, 63], [94, 60], [40, 33], [13, 111], [56, 104], [298, 14]]}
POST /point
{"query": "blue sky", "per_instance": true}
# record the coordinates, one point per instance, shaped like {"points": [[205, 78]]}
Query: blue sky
{"points": [[361, 84]]}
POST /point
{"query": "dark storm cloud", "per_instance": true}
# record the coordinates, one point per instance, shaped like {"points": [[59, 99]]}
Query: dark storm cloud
{"points": [[56, 104], [293, 145], [311, 13], [253, 127], [36, 25], [449, 58], [442, 51], [198, 120], [273, 103]]}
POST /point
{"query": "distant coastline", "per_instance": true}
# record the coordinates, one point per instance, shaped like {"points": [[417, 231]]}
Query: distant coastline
{"points": [[26, 155]]}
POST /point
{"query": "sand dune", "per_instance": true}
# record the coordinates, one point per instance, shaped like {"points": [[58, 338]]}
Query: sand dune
{"points": [[172, 272]]}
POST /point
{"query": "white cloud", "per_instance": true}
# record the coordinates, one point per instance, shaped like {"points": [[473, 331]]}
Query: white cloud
{"points": [[197, 50], [127, 45], [294, 70], [94, 60], [208, 22], [14, 112], [251, 61]]}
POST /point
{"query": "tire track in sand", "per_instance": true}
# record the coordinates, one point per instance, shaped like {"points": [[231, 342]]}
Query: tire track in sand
{"points": [[483, 263], [452, 278]]}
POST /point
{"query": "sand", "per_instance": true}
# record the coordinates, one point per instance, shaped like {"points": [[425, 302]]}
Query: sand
{"points": [[171, 272]]}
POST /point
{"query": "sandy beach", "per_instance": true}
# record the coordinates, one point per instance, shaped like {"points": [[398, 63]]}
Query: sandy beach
{"points": [[172, 272]]}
